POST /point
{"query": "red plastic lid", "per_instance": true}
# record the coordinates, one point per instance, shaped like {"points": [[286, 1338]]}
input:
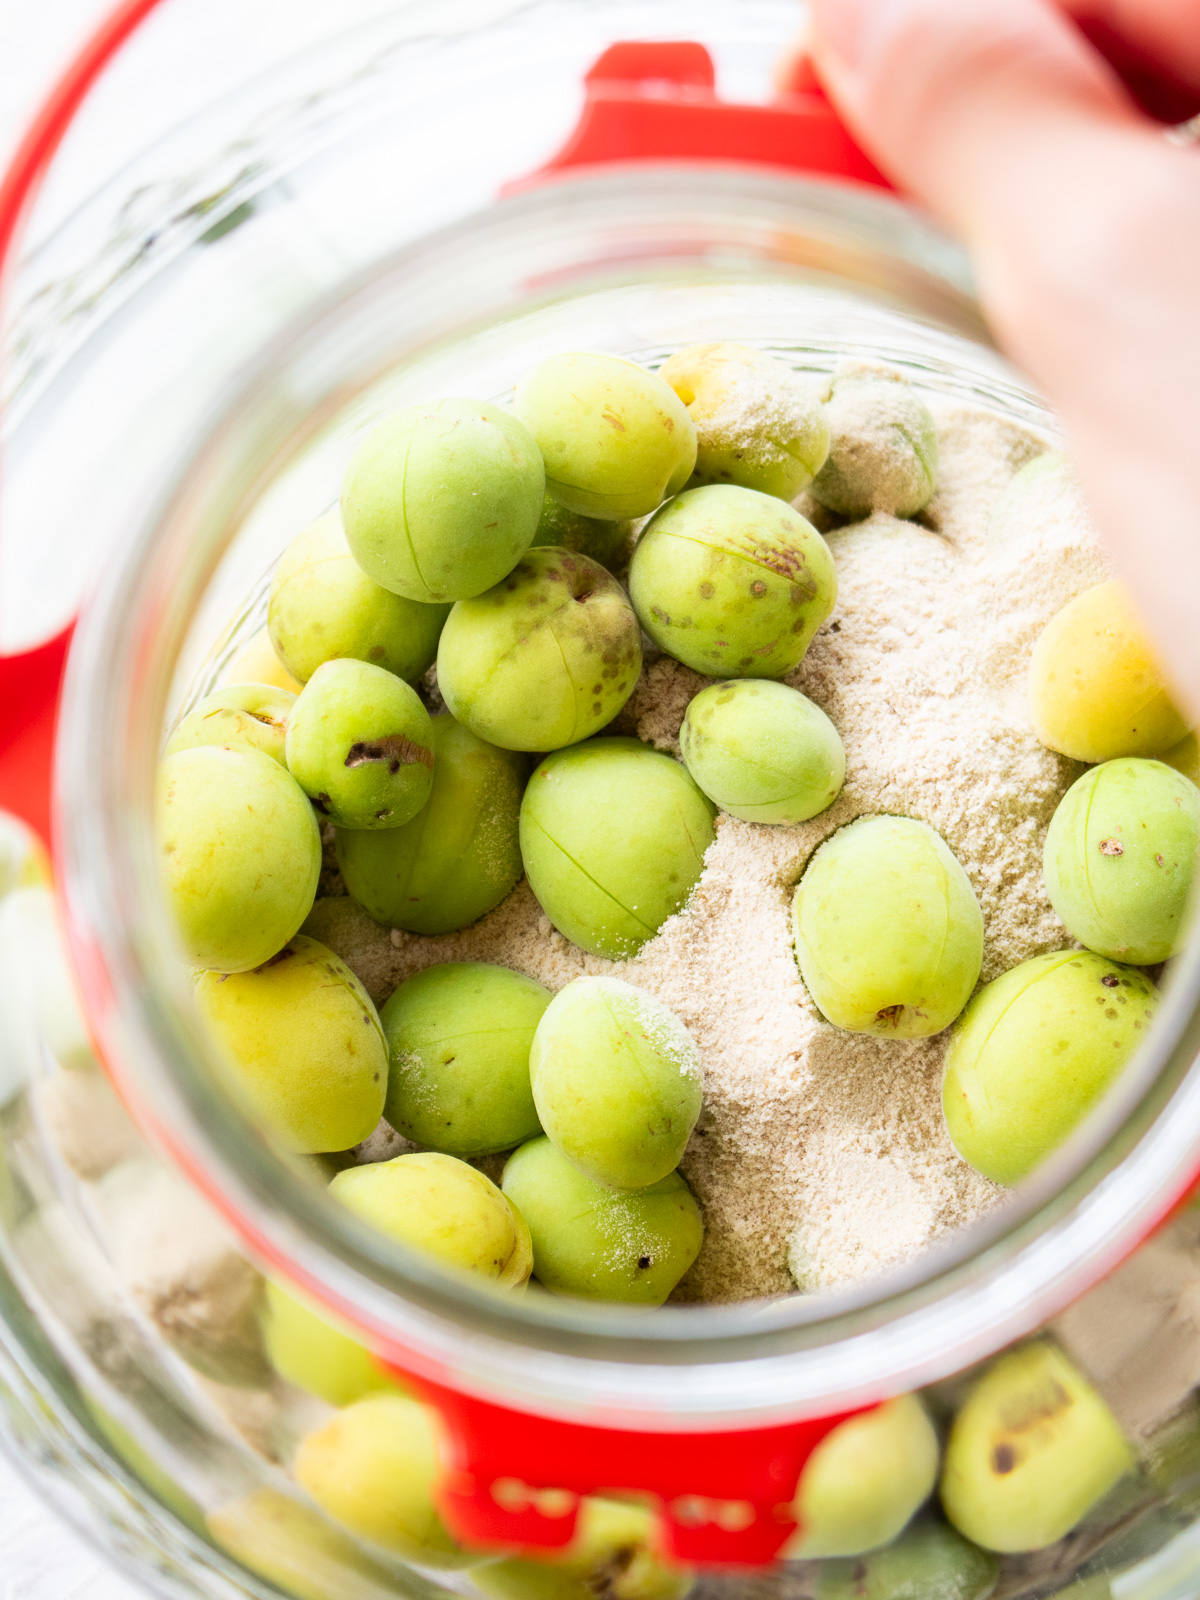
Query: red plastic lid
{"points": [[650, 100]]}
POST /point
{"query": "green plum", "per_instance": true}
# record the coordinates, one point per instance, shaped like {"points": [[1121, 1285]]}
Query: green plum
{"points": [[616, 1081], [758, 424], [929, 1561], [732, 582], [544, 659], [605, 882], [762, 751], [459, 1036], [1097, 689], [256, 662], [360, 745], [304, 1044], [612, 1555], [310, 1350], [440, 501], [883, 448], [459, 856], [865, 1481], [240, 854], [1041, 493], [440, 1205], [323, 607], [605, 542], [616, 440], [243, 716], [597, 1243], [889, 934], [1185, 757], [375, 1469], [1120, 859], [297, 1549], [1033, 1053], [1031, 1450]]}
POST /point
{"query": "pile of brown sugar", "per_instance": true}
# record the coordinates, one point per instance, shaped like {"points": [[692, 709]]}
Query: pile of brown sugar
{"points": [[821, 1157]]}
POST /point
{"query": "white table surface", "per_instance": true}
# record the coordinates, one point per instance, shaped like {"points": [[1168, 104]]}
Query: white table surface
{"points": [[40, 1559]]}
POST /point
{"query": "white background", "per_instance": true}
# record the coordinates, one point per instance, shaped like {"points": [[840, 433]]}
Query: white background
{"points": [[40, 1559]]}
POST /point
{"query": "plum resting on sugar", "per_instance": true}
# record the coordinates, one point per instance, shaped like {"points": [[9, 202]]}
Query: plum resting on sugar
{"points": [[604, 884], [757, 423], [762, 751], [889, 935], [616, 1080], [459, 1036], [731, 582]]}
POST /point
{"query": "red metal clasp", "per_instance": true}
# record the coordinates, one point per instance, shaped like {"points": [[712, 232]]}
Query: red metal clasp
{"points": [[29, 689], [724, 1499]]}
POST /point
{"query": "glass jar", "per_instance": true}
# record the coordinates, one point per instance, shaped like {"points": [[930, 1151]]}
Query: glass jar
{"points": [[393, 212]]}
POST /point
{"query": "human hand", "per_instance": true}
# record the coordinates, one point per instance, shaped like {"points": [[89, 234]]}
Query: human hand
{"points": [[1083, 220]]}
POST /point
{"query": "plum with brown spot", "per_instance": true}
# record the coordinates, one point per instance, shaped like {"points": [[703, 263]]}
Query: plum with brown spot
{"points": [[458, 857], [1120, 859], [1032, 1449], [732, 582], [240, 716], [888, 932], [360, 745], [545, 658], [1034, 1051]]}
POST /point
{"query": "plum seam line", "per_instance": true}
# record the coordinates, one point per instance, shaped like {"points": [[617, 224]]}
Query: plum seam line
{"points": [[582, 870]]}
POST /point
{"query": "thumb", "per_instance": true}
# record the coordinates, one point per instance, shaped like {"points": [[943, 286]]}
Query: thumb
{"points": [[964, 102]]}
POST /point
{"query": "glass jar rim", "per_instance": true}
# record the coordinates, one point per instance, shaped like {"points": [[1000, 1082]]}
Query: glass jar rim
{"points": [[706, 1366]]}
